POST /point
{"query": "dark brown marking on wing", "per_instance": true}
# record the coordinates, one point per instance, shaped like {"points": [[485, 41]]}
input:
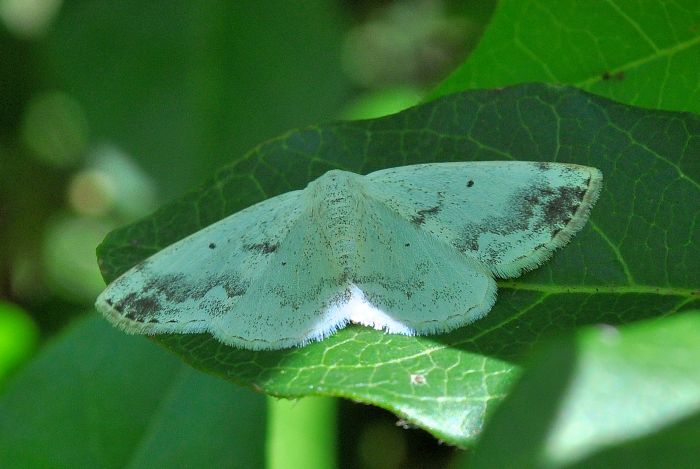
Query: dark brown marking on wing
{"points": [[419, 218], [537, 208], [265, 247], [561, 207]]}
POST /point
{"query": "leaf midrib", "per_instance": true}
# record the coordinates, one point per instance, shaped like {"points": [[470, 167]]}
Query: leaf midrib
{"points": [[658, 54], [593, 289]]}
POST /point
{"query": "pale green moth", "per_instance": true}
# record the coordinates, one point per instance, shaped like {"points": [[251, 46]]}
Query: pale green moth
{"points": [[407, 250]]}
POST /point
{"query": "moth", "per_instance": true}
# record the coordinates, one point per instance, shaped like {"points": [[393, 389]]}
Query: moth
{"points": [[407, 250]]}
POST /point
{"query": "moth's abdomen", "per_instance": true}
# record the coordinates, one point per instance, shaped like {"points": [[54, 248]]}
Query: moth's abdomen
{"points": [[337, 206]]}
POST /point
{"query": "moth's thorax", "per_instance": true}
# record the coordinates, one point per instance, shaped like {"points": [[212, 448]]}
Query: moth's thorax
{"points": [[337, 207]]}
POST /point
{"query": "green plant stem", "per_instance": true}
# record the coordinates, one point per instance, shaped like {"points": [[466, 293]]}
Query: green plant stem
{"points": [[301, 433]]}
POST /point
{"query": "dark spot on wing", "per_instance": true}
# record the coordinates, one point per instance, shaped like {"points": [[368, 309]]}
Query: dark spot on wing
{"points": [[170, 286], [469, 241], [233, 286], [138, 307], [264, 247], [561, 207], [125, 303], [109, 301], [419, 218], [147, 305], [407, 244], [470, 183], [212, 245]]}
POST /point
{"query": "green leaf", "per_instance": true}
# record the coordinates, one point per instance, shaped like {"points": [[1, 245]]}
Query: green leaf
{"points": [[97, 398], [642, 53], [636, 257], [603, 398]]}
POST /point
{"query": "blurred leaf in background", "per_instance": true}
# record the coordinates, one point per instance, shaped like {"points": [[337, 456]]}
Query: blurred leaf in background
{"points": [[95, 397], [604, 396], [397, 51], [190, 85], [414, 42]]}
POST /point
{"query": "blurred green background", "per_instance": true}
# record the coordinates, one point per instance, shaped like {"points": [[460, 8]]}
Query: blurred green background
{"points": [[108, 109]]}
